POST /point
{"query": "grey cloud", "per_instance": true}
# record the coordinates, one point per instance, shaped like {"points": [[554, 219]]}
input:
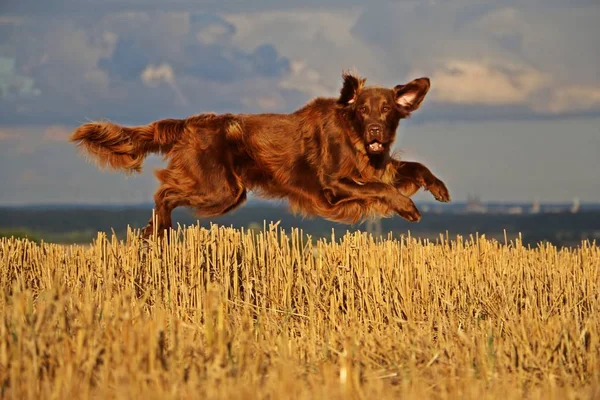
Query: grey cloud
{"points": [[89, 65], [94, 71], [199, 22], [135, 103], [437, 111], [31, 7], [264, 61], [127, 61], [536, 58]]}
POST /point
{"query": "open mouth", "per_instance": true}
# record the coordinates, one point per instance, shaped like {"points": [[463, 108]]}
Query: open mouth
{"points": [[375, 147]]}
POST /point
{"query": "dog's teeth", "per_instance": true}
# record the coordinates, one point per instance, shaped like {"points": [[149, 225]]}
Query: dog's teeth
{"points": [[376, 146]]}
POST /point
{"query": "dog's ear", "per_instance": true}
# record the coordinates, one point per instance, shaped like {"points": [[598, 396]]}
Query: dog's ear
{"points": [[352, 85], [410, 96]]}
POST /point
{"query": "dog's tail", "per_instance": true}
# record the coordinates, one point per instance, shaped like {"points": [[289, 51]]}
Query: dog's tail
{"points": [[125, 148]]}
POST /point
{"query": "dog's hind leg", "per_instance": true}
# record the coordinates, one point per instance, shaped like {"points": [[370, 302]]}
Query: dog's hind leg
{"points": [[168, 197], [205, 183], [217, 204]]}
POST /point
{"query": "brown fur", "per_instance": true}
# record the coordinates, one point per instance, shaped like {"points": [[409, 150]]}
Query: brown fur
{"points": [[330, 158]]}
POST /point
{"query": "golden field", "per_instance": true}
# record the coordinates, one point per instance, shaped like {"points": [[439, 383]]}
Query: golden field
{"points": [[226, 313]]}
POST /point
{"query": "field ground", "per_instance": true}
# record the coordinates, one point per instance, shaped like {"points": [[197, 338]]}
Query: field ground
{"points": [[227, 313]]}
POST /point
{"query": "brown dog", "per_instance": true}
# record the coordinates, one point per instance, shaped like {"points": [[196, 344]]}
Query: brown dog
{"points": [[330, 158]]}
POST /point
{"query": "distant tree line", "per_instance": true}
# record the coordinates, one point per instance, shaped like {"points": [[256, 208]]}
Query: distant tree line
{"points": [[82, 224]]}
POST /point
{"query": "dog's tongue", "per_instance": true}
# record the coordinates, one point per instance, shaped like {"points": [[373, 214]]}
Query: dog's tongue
{"points": [[376, 146]]}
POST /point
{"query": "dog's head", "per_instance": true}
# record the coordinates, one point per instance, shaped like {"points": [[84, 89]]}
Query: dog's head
{"points": [[376, 112]]}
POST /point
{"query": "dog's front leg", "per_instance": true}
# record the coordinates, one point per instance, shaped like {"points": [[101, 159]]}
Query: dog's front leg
{"points": [[346, 190], [407, 172]]}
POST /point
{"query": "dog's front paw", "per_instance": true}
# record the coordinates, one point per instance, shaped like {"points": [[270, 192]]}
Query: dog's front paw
{"points": [[439, 190]]}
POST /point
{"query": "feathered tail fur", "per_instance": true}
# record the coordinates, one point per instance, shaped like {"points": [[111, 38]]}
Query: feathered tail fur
{"points": [[119, 147]]}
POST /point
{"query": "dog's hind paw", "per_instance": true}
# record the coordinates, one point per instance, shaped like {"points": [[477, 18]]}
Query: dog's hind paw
{"points": [[410, 213]]}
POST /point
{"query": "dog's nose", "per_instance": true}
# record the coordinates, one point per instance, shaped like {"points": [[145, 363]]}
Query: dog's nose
{"points": [[374, 129]]}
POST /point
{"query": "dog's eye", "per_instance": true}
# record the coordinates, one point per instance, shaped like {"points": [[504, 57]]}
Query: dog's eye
{"points": [[362, 109], [385, 108]]}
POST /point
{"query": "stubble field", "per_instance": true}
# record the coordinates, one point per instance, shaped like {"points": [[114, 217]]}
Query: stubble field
{"points": [[224, 313]]}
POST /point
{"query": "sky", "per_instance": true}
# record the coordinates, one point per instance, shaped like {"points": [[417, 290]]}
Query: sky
{"points": [[513, 113]]}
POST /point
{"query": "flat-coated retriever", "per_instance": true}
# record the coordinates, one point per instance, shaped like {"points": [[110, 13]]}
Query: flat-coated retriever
{"points": [[330, 158]]}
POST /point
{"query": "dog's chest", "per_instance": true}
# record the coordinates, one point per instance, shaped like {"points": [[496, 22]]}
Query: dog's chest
{"points": [[365, 172]]}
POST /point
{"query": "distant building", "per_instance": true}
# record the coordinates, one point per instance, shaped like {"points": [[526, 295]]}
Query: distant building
{"points": [[575, 206], [474, 205], [536, 207], [515, 210]]}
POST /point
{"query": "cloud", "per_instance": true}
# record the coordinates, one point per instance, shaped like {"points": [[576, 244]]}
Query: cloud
{"points": [[484, 58], [12, 84], [127, 60], [497, 55], [129, 63], [153, 76], [572, 98], [27, 139], [116, 67], [57, 133], [62, 7], [211, 29], [470, 82], [18, 133], [306, 79]]}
